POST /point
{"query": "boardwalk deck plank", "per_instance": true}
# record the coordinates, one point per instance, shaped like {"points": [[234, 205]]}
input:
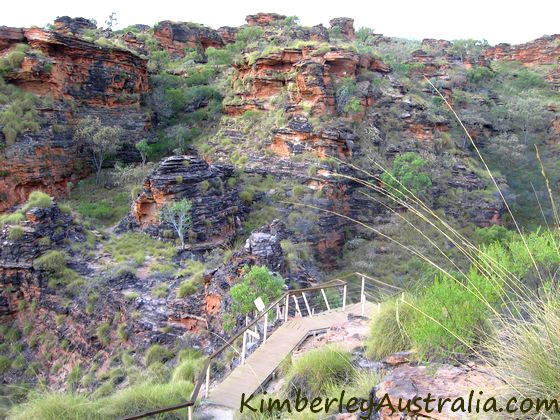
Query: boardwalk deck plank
{"points": [[260, 365]]}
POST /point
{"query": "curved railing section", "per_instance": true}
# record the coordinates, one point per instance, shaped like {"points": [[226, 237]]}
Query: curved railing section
{"points": [[329, 296]]}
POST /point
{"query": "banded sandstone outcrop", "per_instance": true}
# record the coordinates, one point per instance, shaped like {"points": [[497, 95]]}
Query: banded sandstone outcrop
{"points": [[81, 79], [215, 204]]}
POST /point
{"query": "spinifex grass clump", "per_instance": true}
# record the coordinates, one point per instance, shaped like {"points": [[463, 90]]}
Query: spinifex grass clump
{"points": [[526, 351], [315, 370], [36, 199], [387, 332]]}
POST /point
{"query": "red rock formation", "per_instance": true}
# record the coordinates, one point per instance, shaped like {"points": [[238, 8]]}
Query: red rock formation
{"points": [[228, 34], [407, 382], [264, 19], [174, 37], [346, 27], [73, 26], [214, 206], [9, 37], [105, 82], [308, 75], [298, 137], [84, 71], [545, 50], [46, 167], [437, 44]]}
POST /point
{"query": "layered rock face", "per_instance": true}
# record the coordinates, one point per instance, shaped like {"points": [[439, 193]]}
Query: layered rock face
{"points": [[18, 278], [9, 37], [215, 204], [228, 34], [26, 293], [264, 19], [308, 78], [82, 79], [299, 137], [175, 37], [73, 26], [345, 26], [544, 50], [82, 71], [308, 74], [261, 248]]}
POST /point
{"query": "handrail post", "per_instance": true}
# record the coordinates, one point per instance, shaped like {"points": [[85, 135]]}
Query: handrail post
{"points": [[190, 409], [207, 380], [363, 296], [326, 300], [265, 326], [344, 298], [306, 304], [277, 311], [286, 307], [243, 348], [297, 306]]}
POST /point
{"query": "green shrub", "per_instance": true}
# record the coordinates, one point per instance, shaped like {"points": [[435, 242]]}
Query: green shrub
{"points": [[204, 185], [16, 233], [258, 281], [12, 60], [52, 261], [298, 191], [494, 233], [99, 211], [354, 106], [333, 296], [44, 241], [188, 354], [160, 290], [249, 34], [386, 331], [156, 353], [19, 362], [314, 371], [480, 74], [407, 174]]}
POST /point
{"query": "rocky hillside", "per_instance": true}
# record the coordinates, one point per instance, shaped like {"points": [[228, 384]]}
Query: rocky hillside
{"points": [[272, 132]]}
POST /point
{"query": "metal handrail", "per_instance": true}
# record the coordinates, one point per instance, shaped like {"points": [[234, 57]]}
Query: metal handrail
{"points": [[202, 378], [202, 375]]}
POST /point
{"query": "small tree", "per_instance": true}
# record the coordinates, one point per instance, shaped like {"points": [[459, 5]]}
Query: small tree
{"points": [[407, 174], [144, 149], [178, 215], [257, 282], [102, 141], [111, 21]]}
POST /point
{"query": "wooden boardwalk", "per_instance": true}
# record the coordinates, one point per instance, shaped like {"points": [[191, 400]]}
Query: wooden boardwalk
{"points": [[261, 364]]}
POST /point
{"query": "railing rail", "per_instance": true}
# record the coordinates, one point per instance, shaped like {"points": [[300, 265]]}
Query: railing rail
{"points": [[284, 300]]}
